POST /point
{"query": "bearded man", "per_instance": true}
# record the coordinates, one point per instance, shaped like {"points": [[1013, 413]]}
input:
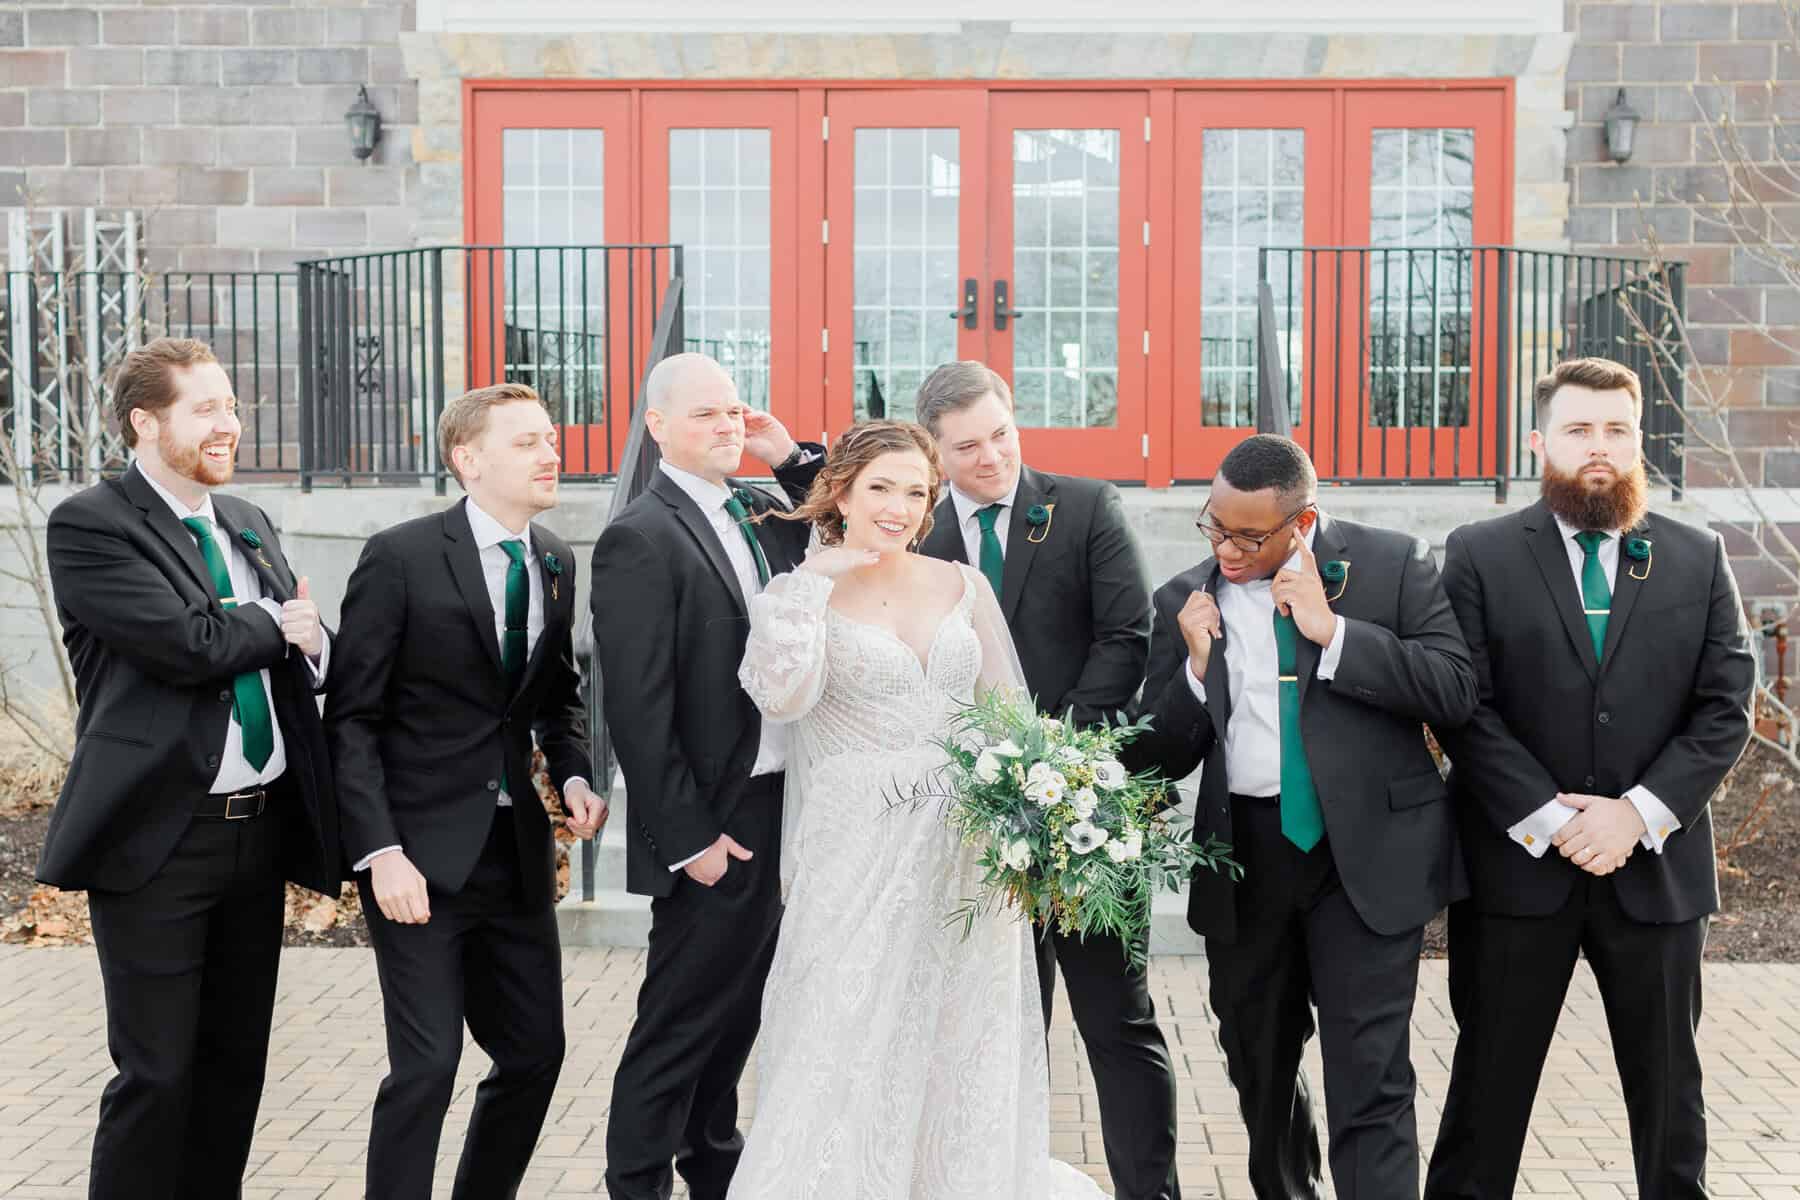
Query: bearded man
{"points": [[1615, 678]]}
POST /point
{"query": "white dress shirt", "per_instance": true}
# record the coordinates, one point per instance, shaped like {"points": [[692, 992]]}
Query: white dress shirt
{"points": [[1252, 663], [771, 750], [235, 771], [489, 533], [1534, 832], [966, 520]]}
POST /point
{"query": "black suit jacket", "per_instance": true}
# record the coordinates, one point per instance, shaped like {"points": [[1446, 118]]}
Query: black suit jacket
{"points": [[154, 654], [670, 623], [420, 719], [1073, 592], [1389, 826], [1667, 705]]}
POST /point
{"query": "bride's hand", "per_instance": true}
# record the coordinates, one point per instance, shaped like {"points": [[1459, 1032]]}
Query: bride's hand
{"points": [[834, 561]]}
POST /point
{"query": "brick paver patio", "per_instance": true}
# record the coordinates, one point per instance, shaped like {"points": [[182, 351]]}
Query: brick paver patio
{"points": [[327, 1057]]}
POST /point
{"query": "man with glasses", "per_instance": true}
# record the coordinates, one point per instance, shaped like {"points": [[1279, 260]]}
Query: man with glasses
{"points": [[1298, 665]]}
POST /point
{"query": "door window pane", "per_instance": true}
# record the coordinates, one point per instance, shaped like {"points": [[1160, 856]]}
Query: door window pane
{"points": [[719, 215], [1252, 197], [1065, 244], [553, 184], [908, 192], [1422, 215]]}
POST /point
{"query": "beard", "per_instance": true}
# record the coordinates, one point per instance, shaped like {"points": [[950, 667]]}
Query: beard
{"points": [[188, 461], [1619, 505]]}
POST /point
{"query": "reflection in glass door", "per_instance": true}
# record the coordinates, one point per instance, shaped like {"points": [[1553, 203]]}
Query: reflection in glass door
{"points": [[905, 210], [1066, 257]]}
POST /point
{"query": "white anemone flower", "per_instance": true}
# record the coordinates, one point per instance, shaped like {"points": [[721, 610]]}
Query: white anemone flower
{"points": [[1111, 775], [1085, 838], [1069, 755]]}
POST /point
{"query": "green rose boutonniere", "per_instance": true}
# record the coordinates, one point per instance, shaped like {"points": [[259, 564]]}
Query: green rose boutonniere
{"points": [[1039, 516], [1336, 575], [1639, 551], [553, 565], [250, 538]]}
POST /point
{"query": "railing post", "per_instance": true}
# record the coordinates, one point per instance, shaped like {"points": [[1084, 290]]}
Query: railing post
{"points": [[1677, 438], [309, 352], [1503, 402], [435, 397]]}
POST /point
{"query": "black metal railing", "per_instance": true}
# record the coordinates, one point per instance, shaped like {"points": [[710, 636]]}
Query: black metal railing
{"points": [[63, 333], [1415, 364], [385, 332]]}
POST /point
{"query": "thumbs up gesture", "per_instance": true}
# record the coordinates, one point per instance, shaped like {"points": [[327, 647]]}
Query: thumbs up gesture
{"points": [[300, 622]]}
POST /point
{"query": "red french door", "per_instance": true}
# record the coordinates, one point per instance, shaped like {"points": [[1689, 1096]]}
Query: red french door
{"points": [[1253, 170], [1424, 181]]}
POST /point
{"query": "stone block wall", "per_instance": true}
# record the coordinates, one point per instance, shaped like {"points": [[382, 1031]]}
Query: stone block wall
{"points": [[222, 123]]}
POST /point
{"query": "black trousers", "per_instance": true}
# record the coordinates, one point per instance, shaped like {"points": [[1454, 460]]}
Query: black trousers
{"points": [[675, 1091], [189, 963], [1299, 939], [1133, 1077], [488, 958], [1508, 978]]}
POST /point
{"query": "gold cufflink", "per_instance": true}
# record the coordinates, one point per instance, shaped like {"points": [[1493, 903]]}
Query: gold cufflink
{"points": [[1530, 841]]}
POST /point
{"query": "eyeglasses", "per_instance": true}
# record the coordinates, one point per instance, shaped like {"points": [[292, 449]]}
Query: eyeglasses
{"points": [[1249, 543]]}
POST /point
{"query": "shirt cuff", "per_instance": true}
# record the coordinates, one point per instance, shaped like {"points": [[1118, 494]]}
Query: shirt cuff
{"points": [[1334, 650], [371, 857], [574, 779], [1194, 684], [690, 858], [269, 606], [323, 664], [1534, 832], [1659, 822]]}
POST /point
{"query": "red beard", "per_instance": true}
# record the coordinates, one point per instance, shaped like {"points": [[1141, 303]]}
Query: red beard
{"points": [[1619, 505], [191, 463]]}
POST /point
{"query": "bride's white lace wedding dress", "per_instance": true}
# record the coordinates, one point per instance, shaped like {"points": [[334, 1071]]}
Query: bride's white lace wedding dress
{"points": [[897, 1060]]}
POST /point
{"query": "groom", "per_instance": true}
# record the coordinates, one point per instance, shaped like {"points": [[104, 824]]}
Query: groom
{"points": [[1298, 664], [672, 577], [456, 649], [1067, 574]]}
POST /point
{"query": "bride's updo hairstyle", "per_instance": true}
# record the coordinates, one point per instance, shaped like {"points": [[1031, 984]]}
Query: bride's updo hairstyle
{"points": [[862, 444]]}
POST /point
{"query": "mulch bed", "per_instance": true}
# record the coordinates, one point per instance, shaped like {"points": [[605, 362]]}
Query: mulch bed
{"points": [[1756, 819]]}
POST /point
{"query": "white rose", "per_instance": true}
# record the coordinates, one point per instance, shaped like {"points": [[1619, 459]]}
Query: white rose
{"points": [[987, 767], [1110, 775], [1016, 854], [1047, 789], [1085, 838], [1039, 772], [1127, 848], [1008, 749], [1085, 802]]}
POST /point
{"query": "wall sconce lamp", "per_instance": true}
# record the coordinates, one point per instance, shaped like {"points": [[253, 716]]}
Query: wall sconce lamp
{"points": [[364, 123], [1621, 128]]}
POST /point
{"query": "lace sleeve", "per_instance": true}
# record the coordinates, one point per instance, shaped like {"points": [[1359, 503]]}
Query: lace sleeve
{"points": [[784, 660], [1000, 666]]}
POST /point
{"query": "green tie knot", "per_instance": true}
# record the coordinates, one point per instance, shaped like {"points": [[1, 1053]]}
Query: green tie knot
{"points": [[1591, 540], [515, 550], [988, 516]]}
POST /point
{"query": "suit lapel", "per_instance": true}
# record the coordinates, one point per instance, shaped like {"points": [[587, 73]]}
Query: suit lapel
{"points": [[1626, 586], [945, 540], [1328, 544], [464, 558], [1546, 539], [689, 514], [1022, 538], [233, 518], [1218, 672], [163, 520]]}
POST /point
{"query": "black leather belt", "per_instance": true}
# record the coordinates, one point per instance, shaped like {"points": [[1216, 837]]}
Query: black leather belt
{"points": [[1243, 799], [233, 806]]}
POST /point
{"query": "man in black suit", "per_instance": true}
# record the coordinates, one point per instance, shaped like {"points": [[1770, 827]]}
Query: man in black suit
{"points": [[1616, 679], [1298, 664], [1071, 585], [456, 648], [672, 577], [199, 781]]}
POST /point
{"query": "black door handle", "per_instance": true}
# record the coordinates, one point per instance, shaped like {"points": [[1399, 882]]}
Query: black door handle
{"points": [[970, 312], [1001, 311]]}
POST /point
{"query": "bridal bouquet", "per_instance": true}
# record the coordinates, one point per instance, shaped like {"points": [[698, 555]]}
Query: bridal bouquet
{"points": [[1067, 835]]}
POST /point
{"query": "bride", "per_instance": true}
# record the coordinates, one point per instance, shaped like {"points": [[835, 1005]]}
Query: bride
{"points": [[897, 1060]]}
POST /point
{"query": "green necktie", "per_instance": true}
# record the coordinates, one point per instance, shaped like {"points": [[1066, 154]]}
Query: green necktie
{"points": [[513, 646], [740, 513], [251, 706], [993, 558], [1302, 823], [1596, 594]]}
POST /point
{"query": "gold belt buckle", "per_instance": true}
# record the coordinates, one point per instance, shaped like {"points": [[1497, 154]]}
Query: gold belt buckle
{"points": [[232, 799]]}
